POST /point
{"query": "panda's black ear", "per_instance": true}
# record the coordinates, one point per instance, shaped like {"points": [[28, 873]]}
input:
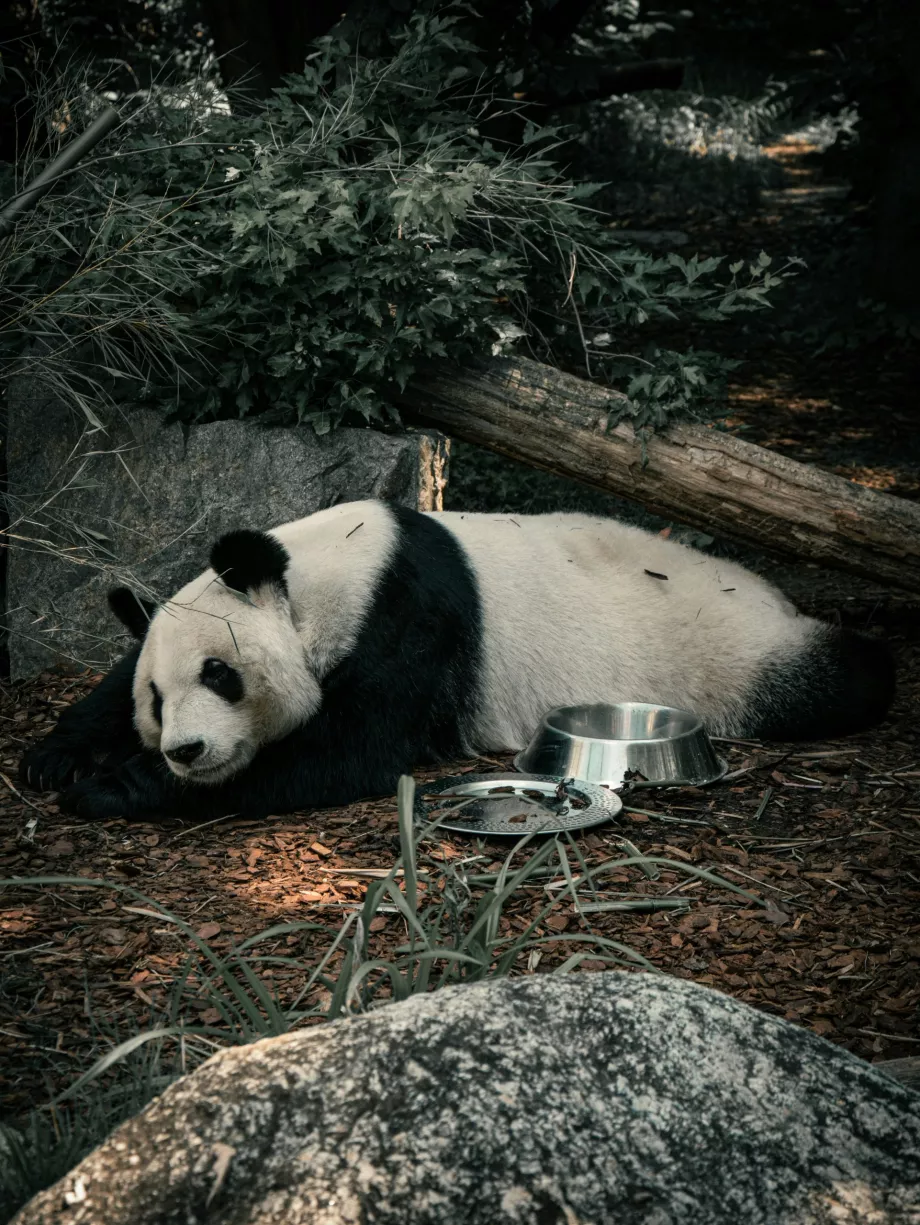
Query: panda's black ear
{"points": [[246, 560], [132, 611]]}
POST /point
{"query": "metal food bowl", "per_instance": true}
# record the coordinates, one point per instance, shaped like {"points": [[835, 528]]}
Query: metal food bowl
{"points": [[632, 742]]}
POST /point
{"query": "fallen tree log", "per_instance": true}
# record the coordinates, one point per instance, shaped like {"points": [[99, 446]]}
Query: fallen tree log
{"points": [[700, 476]]}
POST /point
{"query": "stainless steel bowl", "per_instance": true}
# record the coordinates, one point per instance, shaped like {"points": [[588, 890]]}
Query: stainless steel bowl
{"points": [[657, 746]]}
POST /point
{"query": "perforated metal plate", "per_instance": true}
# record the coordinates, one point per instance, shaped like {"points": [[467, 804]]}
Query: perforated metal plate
{"points": [[512, 805]]}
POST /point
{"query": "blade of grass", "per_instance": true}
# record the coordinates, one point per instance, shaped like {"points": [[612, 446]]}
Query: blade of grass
{"points": [[110, 1058]]}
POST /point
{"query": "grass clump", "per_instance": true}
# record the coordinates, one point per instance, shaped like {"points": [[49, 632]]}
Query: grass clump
{"points": [[94, 279]]}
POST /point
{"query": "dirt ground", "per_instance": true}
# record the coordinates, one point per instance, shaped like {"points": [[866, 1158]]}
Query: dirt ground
{"points": [[829, 833]]}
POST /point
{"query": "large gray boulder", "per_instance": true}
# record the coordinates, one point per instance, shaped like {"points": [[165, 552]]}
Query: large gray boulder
{"points": [[142, 503], [576, 1100]]}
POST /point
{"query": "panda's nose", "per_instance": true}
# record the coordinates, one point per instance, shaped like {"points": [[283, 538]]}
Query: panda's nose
{"points": [[185, 754]]}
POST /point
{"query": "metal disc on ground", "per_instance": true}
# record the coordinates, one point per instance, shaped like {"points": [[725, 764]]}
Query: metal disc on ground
{"points": [[513, 805]]}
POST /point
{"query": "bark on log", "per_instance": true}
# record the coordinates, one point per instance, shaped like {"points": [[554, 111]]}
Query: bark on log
{"points": [[700, 476]]}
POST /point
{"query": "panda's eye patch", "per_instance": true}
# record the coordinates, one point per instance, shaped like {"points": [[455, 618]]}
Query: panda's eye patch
{"points": [[157, 704], [221, 679]]}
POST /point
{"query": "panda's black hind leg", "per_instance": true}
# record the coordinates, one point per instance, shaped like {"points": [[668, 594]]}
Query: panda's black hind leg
{"points": [[841, 684], [867, 682], [100, 724]]}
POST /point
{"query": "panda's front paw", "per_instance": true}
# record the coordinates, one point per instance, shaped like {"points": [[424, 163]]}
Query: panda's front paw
{"points": [[98, 797], [51, 765], [137, 790]]}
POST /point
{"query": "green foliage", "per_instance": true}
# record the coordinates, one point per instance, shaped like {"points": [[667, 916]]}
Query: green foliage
{"points": [[622, 27], [300, 262], [92, 282], [683, 152], [131, 40]]}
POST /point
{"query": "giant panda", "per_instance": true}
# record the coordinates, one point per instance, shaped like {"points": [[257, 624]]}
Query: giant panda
{"points": [[313, 664]]}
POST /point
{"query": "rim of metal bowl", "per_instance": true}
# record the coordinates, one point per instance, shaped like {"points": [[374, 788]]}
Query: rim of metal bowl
{"points": [[698, 725]]}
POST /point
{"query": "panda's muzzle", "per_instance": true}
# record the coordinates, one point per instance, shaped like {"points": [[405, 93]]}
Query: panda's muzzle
{"points": [[194, 762], [185, 754]]}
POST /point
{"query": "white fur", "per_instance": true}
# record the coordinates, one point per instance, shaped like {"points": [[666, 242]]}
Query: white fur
{"points": [[282, 647], [571, 617]]}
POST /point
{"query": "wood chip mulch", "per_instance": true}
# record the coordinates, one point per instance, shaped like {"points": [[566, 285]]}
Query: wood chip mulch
{"points": [[829, 834]]}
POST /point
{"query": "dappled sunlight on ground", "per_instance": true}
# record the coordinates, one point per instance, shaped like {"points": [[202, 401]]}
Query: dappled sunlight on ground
{"points": [[873, 478], [792, 403]]}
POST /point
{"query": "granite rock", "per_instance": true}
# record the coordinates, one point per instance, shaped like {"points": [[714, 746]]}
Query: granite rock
{"points": [[583, 1099], [143, 501]]}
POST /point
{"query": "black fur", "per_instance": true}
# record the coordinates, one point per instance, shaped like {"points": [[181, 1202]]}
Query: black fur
{"points": [[134, 612], [223, 680], [406, 694], [156, 701], [842, 684], [246, 560], [101, 726]]}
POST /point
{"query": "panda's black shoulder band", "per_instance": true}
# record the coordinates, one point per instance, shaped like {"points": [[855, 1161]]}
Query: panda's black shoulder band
{"points": [[246, 560]]}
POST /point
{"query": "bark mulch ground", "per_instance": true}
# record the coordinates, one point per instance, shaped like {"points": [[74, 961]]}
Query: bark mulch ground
{"points": [[828, 833], [814, 381]]}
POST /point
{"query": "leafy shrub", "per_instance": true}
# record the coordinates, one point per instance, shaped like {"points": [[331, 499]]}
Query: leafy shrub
{"points": [[687, 150], [299, 262]]}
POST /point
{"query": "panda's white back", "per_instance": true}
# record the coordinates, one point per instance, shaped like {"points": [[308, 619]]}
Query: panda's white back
{"points": [[570, 612], [571, 615]]}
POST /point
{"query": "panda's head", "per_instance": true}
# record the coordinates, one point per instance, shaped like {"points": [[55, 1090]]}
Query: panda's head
{"points": [[222, 670]]}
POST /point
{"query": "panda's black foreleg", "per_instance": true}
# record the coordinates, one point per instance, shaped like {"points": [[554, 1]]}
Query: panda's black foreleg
{"points": [[140, 788], [101, 725], [301, 772]]}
